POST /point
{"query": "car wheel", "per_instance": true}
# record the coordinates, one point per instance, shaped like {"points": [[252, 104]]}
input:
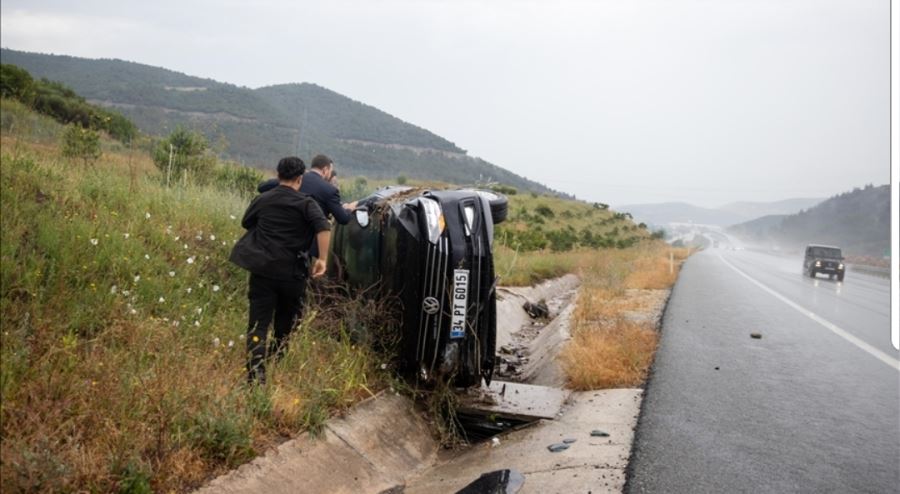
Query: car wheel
{"points": [[499, 205], [812, 273], [841, 277]]}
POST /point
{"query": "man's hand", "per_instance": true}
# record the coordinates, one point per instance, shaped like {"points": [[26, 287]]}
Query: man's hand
{"points": [[318, 268], [350, 206]]}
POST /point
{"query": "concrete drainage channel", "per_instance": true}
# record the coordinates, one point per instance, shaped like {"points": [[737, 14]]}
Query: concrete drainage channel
{"points": [[550, 439]]}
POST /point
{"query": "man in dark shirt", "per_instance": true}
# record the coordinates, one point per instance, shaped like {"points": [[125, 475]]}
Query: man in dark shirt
{"points": [[281, 224], [318, 185]]}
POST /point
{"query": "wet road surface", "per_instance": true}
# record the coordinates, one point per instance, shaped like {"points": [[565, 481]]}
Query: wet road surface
{"points": [[812, 406]]}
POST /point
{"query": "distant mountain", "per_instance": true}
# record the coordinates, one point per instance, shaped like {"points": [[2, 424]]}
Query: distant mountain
{"points": [[736, 212], [751, 210], [858, 221], [259, 126], [679, 212]]}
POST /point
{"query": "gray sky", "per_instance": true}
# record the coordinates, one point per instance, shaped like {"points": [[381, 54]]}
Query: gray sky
{"points": [[703, 101]]}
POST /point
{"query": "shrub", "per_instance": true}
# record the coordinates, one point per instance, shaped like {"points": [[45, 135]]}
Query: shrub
{"points": [[544, 211], [82, 144], [184, 154], [237, 178]]}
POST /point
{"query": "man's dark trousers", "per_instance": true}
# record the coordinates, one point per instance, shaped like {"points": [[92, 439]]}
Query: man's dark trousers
{"points": [[284, 299]]}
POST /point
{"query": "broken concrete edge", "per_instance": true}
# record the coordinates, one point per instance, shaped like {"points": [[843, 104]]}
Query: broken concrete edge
{"points": [[647, 387], [373, 448]]}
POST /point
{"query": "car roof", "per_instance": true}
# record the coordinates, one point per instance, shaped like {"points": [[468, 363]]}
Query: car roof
{"points": [[826, 246]]}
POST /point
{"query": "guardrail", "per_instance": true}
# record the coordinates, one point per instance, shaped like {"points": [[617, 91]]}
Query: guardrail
{"points": [[870, 270]]}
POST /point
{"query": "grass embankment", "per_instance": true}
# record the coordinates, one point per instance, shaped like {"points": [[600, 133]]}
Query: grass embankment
{"points": [[122, 351], [610, 348]]}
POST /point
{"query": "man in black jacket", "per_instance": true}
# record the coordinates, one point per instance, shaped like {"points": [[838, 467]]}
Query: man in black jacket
{"points": [[318, 185], [281, 224]]}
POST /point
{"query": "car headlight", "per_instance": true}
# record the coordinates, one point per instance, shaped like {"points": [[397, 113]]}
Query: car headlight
{"points": [[434, 218], [818, 263], [841, 266]]}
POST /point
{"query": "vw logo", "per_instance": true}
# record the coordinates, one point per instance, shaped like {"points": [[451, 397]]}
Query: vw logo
{"points": [[431, 306]]}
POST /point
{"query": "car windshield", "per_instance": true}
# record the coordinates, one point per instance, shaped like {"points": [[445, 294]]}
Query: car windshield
{"points": [[829, 252]]}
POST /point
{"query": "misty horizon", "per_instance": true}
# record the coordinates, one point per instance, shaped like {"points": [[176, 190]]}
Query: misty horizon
{"points": [[619, 103]]}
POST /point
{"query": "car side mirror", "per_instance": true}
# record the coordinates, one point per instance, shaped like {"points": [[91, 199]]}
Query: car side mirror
{"points": [[362, 217]]}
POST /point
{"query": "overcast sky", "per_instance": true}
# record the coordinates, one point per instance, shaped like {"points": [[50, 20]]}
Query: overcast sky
{"points": [[621, 101]]}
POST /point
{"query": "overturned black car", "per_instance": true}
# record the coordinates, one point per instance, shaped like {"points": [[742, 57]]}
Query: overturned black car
{"points": [[433, 251]]}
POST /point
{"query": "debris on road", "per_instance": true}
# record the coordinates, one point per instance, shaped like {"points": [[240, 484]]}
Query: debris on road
{"points": [[556, 448], [599, 433], [756, 336], [538, 310], [496, 482], [569, 440]]}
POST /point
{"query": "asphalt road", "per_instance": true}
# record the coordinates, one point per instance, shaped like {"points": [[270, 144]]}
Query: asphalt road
{"points": [[812, 406]]}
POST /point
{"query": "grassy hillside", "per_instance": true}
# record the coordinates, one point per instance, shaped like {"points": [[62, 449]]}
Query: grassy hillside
{"points": [[859, 221], [121, 356], [121, 352], [260, 126]]}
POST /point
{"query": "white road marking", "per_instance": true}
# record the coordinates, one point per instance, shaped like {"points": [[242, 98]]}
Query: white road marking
{"points": [[887, 359]]}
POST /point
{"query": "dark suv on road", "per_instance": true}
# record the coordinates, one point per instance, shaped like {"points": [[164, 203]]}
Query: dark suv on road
{"points": [[825, 259], [432, 250]]}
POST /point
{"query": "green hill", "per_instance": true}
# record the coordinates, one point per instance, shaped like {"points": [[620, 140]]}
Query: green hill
{"points": [[258, 126], [859, 221]]}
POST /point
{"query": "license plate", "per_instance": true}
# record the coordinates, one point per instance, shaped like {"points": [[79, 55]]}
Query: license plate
{"points": [[459, 302]]}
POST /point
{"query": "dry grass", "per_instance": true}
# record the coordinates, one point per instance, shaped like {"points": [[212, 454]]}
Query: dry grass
{"points": [[608, 350], [615, 356]]}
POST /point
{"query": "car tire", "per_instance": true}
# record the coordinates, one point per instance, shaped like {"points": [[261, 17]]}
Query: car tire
{"points": [[841, 277], [499, 205], [812, 273]]}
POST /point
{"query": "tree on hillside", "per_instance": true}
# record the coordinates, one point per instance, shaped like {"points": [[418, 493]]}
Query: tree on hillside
{"points": [[16, 83], [184, 155], [80, 143]]}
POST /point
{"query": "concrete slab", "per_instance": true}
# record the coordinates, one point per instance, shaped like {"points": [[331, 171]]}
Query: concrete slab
{"points": [[518, 401], [373, 449], [614, 411]]}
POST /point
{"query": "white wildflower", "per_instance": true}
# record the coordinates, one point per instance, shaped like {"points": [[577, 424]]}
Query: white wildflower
{"points": [[171, 274], [177, 238], [199, 310], [162, 300], [190, 260], [113, 289], [126, 235], [230, 343], [197, 323], [126, 293], [223, 242], [185, 247], [198, 237], [147, 215], [240, 336], [216, 288], [94, 241], [165, 319], [383, 366], [212, 237], [133, 312], [189, 289], [216, 340], [176, 323], [147, 256], [232, 216], [137, 278]]}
